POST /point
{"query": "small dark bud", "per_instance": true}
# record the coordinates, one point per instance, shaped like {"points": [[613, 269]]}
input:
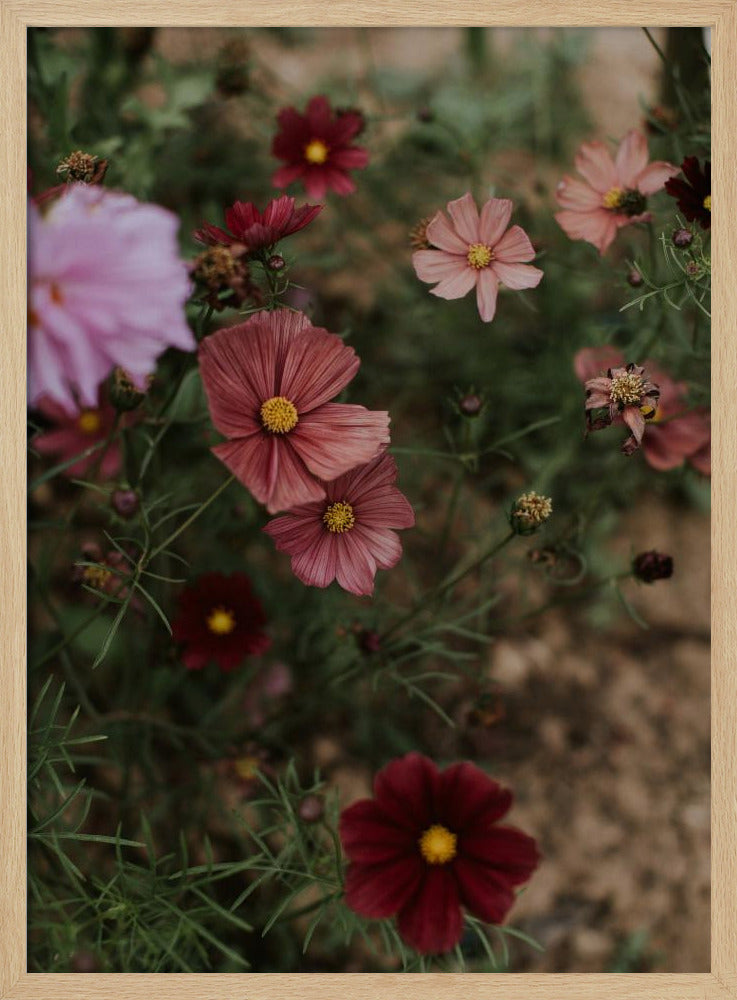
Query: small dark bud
{"points": [[125, 502], [634, 278], [311, 809], [370, 641], [471, 406], [276, 262], [682, 238], [425, 115], [84, 961], [652, 566]]}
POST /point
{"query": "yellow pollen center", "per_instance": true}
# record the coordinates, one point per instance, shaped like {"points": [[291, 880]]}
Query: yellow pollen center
{"points": [[613, 198], [479, 255], [246, 767], [89, 421], [438, 845], [279, 415], [626, 389], [221, 621], [339, 517], [96, 576], [707, 203], [316, 151]]}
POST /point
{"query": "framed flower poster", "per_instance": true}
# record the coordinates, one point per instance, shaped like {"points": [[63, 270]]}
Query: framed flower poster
{"points": [[369, 579]]}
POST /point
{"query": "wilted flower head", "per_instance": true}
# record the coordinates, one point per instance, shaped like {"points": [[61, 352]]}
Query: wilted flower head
{"points": [[223, 275], [529, 512], [613, 192], [317, 149], [255, 230], [652, 566], [83, 167], [693, 195], [351, 533], [269, 382], [476, 251], [625, 394], [106, 288]]}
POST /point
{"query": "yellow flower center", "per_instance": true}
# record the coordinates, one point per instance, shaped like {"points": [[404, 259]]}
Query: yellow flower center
{"points": [[438, 845], [339, 517], [246, 767], [707, 203], [279, 415], [89, 421], [96, 576], [221, 621], [316, 151], [613, 198], [626, 389], [479, 255]]}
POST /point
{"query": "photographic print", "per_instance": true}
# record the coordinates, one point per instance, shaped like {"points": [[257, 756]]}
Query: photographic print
{"points": [[369, 458]]}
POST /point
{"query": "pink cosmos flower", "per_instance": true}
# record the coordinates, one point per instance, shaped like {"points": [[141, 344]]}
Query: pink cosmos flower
{"points": [[106, 288], [256, 230], [612, 193], [316, 147], [476, 251], [75, 432], [269, 381], [673, 435], [351, 533]]}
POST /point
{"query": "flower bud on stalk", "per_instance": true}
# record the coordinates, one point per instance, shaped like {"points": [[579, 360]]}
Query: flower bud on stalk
{"points": [[125, 503], [634, 278], [529, 512], [652, 566], [682, 238], [311, 809]]}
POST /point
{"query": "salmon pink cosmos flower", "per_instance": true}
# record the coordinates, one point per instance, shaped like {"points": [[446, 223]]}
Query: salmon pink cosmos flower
{"points": [[428, 844], [106, 287], [674, 434], [613, 192], [256, 230], [316, 147], [476, 251], [351, 533], [269, 381]]}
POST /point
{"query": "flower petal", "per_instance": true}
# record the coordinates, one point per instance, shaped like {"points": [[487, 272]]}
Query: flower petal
{"points": [[517, 276], [369, 836], [513, 855], [456, 286], [432, 922], [514, 247], [336, 437], [577, 195], [406, 788], [483, 891], [487, 288], [631, 158], [592, 361], [316, 368], [495, 216], [654, 176], [443, 236], [598, 228], [377, 891], [271, 470], [468, 797], [437, 265], [465, 218], [594, 162]]}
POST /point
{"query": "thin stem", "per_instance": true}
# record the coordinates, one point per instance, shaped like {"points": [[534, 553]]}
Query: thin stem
{"points": [[190, 520]]}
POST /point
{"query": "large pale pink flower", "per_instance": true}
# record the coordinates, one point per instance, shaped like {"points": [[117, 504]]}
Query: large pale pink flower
{"points": [[351, 533], [106, 288], [476, 251], [269, 382], [674, 434], [613, 192]]}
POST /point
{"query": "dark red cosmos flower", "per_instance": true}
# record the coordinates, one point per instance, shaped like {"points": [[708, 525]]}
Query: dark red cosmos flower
{"points": [[316, 147], [427, 844], [693, 194], [220, 619], [256, 230]]}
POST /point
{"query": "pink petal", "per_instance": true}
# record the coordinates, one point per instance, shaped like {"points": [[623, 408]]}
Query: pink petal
{"points": [[349, 158], [659, 452], [384, 507], [631, 158], [316, 368], [487, 288], [356, 567], [654, 176], [575, 194], [495, 216], [591, 361], [315, 182], [436, 265], [517, 276], [317, 564], [457, 285], [635, 421], [298, 529], [598, 228], [701, 460], [336, 437], [442, 235], [271, 470], [382, 543], [465, 218], [339, 181], [594, 162], [514, 247], [431, 922], [284, 176], [381, 890]]}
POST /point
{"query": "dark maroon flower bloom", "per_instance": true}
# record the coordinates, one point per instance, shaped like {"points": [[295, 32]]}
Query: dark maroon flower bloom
{"points": [[256, 230], [693, 194], [427, 844], [220, 619], [316, 147]]}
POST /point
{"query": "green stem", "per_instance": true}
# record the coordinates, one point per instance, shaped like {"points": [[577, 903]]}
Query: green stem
{"points": [[146, 559]]}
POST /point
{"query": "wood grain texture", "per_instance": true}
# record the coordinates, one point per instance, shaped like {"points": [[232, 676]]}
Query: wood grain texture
{"points": [[15, 984]]}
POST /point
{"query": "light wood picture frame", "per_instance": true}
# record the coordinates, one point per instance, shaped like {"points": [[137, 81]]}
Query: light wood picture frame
{"points": [[15, 982]]}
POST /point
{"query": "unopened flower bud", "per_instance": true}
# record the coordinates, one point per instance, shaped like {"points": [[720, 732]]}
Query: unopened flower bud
{"points": [[276, 262], [529, 512], [471, 405], [652, 566], [695, 270], [125, 502], [311, 809], [634, 278], [370, 641], [682, 238]]}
